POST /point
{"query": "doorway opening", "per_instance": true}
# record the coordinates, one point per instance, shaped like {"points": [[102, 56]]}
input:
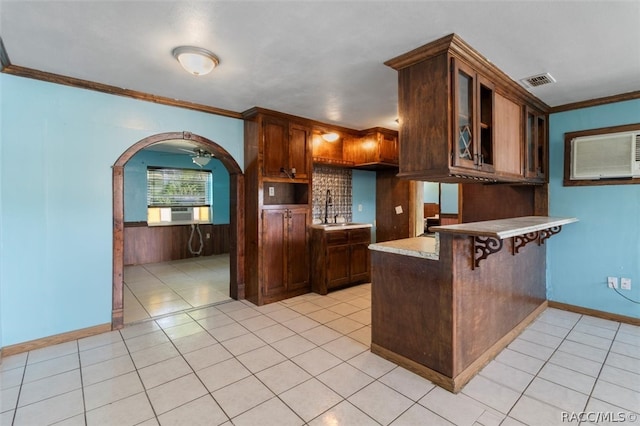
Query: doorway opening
{"points": [[236, 218]]}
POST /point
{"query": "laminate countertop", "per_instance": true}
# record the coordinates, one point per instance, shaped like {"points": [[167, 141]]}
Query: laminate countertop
{"points": [[425, 247], [505, 228]]}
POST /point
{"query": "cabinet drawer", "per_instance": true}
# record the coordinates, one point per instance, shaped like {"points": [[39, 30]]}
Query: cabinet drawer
{"points": [[337, 237], [360, 235]]}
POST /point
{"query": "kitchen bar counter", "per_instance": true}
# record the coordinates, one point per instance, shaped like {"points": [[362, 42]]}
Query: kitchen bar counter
{"points": [[436, 313], [505, 228], [424, 247]]}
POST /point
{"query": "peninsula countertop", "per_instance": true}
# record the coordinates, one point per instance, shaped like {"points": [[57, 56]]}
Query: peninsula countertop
{"points": [[505, 228], [424, 247]]}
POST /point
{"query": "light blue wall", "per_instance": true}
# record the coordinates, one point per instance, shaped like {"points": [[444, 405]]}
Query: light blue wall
{"points": [[364, 194], [606, 240], [431, 192], [449, 198], [58, 146], [135, 183]]}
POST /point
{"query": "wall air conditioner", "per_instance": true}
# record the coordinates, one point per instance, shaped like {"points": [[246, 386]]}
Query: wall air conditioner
{"points": [[606, 156], [179, 214]]}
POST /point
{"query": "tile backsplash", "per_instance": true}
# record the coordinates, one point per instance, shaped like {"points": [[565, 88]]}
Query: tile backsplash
{"points": [[338, 181]]}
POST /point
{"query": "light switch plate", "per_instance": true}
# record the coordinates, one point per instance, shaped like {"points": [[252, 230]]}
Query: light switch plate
{"points": [[398, 209], [272, 191], [612, 282]]}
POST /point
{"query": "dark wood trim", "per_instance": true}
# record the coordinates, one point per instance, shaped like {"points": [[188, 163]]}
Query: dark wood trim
{"points": [[4, 56], [590, 132], [596, 102], [595, 313], [236, 237], [112, 90], [55, 339]]}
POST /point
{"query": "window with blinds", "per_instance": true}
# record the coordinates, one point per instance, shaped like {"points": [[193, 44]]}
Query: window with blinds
{"points": [[179, 196], [178, 187]]}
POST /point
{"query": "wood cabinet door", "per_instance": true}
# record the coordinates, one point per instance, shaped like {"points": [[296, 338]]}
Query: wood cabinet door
{"points": [[388, 149], [508, 136], [274, 252], [337, 266], [464, 111], [299, 150], [359, 265], [297, 249], [535, 145], [275, 133]]}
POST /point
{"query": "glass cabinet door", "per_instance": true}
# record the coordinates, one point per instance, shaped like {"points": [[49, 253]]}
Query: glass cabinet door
{"points": [[464, 129], [473, 119], [535, 140]]}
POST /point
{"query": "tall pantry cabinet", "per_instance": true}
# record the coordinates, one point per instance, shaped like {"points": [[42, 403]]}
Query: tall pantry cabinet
{"points": [[277, 154]]}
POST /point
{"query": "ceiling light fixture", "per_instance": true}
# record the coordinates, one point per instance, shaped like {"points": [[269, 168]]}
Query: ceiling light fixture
{"points": [[196, 60], [330, 137], [202, 157]]}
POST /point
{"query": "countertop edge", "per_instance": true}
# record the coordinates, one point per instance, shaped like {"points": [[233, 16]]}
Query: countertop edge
{"points": [[402, 247], [511, 227]]}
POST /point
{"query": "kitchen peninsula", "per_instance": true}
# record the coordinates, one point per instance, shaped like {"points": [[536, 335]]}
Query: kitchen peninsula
{"points": [[444, 306]]}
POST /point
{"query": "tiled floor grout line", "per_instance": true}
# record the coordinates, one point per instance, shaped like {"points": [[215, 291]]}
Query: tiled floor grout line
{"points": [[541, 367], [84, 401]]}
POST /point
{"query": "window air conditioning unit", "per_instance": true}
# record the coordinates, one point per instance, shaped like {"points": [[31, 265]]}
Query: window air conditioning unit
{"points": [[613, 155], [181, 214]]}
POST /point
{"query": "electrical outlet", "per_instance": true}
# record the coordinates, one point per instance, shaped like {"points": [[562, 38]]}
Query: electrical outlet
{"points": [[625, 283], [612, 282], [359, 207], [272, 191]]}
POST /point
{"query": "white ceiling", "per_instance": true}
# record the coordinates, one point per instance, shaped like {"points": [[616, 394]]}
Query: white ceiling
{"points": [[322, 59]]}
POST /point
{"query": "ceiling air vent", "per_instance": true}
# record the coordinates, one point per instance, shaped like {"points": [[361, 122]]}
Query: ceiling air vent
{"points": [[538, 80]]}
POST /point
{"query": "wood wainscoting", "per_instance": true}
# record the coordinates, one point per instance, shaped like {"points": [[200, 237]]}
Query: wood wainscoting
{"points": [[151, 244]]}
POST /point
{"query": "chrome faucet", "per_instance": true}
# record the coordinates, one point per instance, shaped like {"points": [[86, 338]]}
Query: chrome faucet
{"points": [[327, 203]]}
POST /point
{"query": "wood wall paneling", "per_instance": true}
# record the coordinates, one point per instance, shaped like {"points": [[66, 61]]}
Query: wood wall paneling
{"points": [[152, 244], [487, 202]]}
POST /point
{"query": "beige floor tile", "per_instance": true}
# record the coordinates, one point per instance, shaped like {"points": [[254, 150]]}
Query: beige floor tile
{"points": [[222, 374], [261, 358], [506, 375], [344, 414], [520, 361], [418, 415], [13, 361], [131, 410], [531, 412], [301, 324], [108, 369], [380, 402], [203, 411], [459, 409], [174, 320], [9, 399], [282, 315], [310, 399], [164, 371], [103, 353], [11, 378], [242, 344], [227, 332], [242, 396], [620, 377], [273, 333], [112, 390], [183, 330], [372, 364], [154, 354], [51, 367], [194, 342], [407, 383], [51, 410], [316, 361], [345, 379], [146, 341], [344, 325], [617, 395], [345, 348], [270, 413], [51, 352], [568, 378], [207, 356], [344, 309], [556, 395], [321, 335], [49, 386], [175, 393], [283, 376], [99, 340], [492, 394]]}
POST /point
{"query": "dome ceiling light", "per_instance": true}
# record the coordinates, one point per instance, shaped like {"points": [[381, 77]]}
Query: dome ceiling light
{"points": [[196, 60]]}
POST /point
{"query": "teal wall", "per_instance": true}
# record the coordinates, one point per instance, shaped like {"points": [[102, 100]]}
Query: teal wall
{"points": [[606, 240], [58, 146], [449, 198], [135, 183], [363, 194]]}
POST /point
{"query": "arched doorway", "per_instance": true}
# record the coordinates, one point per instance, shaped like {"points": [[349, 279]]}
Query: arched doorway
{"points": [[236, 216]]}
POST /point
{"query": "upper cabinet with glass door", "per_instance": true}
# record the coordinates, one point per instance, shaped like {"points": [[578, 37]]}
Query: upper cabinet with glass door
{"points": [[461, 118]]}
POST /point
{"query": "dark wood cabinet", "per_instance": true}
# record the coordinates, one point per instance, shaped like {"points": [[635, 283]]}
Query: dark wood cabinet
{"points": [[535, 145], [372, 148], [277, 206], [340, 258], [460, 116], [285, 264], [285, 148]]}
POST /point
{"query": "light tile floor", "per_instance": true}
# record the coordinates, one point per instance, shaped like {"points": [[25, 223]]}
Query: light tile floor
{"points": [[306, 361], [157, 289]]}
